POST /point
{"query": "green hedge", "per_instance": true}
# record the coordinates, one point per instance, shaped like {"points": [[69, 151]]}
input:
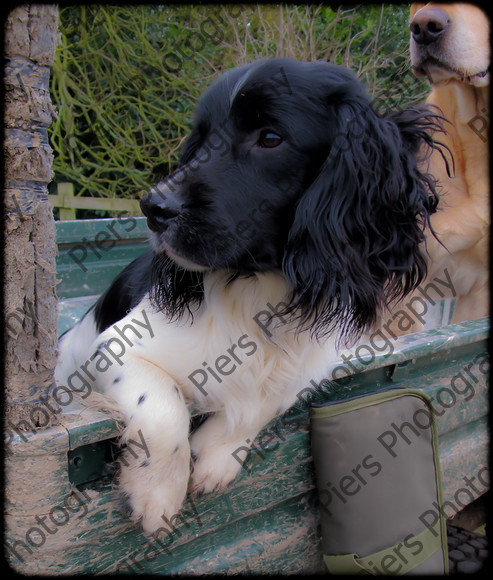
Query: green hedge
{"points": [[126, 78]]}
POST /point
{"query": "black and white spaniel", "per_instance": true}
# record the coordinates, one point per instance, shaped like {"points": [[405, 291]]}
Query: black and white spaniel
{"points": [[294, 218]]}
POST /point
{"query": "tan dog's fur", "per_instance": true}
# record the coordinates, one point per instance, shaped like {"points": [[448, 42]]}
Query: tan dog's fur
{"points": [[456, 65]]}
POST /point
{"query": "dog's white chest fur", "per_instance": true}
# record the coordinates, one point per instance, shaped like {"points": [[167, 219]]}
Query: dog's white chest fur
{"points": [[229, 353]]}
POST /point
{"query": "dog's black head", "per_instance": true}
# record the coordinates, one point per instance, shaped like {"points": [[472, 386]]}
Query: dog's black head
{"points": [[289, 167]]}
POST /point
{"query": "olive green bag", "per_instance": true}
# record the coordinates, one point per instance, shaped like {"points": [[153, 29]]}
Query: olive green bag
{"points": [[378, 479]]}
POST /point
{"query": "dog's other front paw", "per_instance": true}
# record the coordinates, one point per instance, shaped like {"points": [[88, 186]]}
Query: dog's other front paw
{"points": [[214, 469], [155, 488], [218, 453]]}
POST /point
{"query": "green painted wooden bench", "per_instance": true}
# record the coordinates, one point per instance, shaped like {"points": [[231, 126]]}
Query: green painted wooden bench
{"points": [[63, 518]]}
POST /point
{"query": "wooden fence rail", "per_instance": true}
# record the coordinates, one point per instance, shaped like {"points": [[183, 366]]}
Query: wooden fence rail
{"points": [[67, 202]]}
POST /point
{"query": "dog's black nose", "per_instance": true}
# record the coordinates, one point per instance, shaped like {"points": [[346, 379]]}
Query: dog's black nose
{"points": [[428, 25], [160, 206]]}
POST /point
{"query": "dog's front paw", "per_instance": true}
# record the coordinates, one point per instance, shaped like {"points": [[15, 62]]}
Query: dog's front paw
{"points": [[214, 469], [155, 488]]}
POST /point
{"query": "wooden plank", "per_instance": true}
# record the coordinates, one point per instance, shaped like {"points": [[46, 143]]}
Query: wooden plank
{"points": [[131, 206], [63, 200], [91, 253], [464, 461], [81, 231], [75, 282], [285, 541], [68, 203], [72, 310]]}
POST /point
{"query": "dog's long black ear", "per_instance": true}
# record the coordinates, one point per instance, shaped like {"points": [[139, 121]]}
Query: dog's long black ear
{"points": [[356, 242]]}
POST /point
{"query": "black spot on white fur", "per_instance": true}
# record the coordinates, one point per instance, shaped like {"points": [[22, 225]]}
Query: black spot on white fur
{"points": [[99, 348]]}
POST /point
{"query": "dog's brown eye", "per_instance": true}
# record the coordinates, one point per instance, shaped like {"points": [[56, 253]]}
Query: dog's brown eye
{"points": [[269, 139]]}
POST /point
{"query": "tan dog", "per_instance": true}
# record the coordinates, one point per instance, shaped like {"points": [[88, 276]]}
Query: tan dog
{"points": [[450, 47]]}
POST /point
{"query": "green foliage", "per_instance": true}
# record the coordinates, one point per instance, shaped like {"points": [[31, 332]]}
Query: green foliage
{"points": [[126, 78]]}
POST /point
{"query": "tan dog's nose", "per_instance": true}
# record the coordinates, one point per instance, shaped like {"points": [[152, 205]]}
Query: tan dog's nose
{"points": [[428, 25]]}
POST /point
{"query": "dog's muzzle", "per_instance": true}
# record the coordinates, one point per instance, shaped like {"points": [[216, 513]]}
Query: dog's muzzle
{"points": [[429, 25], [160, 206]]}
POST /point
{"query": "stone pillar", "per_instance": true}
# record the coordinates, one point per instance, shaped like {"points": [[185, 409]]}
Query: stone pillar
{"points": [[30, 245]]}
